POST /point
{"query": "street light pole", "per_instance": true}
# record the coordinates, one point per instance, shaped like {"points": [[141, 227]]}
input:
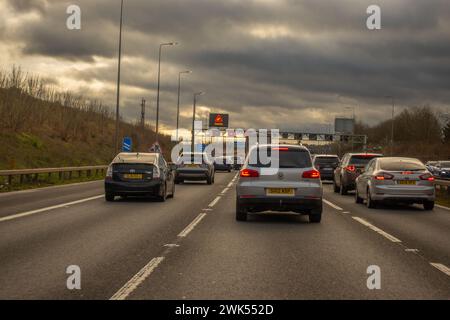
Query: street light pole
{"points": [[116, 137], [392, 124], [193, 118], [178, 103], [159, 84]]}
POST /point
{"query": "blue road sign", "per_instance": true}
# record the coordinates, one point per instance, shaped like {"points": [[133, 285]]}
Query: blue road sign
{"points": [[127, 144]]}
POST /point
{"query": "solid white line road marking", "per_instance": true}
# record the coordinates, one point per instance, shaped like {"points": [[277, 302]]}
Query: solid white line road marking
{"points": [[441, 267], [442, 207], [192, 225], [224, 190], [213, 203], [229, 185], [63, 205], [332, 205], [376, 229], [134, 282]]}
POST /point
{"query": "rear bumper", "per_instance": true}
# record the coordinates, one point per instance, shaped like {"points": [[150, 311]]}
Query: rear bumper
{"points": [[151, 188], [326, 175], [192, 174], [403, 195], [296, 204]]}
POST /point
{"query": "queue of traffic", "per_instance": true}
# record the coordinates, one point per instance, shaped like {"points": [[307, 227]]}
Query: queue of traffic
{"points": [[292, 183]]}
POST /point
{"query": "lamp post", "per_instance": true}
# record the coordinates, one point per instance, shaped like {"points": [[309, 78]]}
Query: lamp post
{"points": [[116, 136], [178, 103], [193, 118], [159, 84], [392, 124]]}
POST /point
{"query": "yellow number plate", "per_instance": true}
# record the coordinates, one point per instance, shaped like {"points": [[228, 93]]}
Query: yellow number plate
{"points": [[132, 176], [280, 192], [406, 182]]}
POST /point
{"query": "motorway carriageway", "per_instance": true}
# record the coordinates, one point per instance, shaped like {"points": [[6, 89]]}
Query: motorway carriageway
{"points": [[191, 247]]}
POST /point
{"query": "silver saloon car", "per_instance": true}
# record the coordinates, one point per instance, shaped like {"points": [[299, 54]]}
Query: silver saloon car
{"points": [[396, 180], [287, 183]]}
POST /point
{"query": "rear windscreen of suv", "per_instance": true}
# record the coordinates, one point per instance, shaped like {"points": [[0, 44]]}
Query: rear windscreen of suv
{"points": [[327, 160], [403, 165], [361, 160], [288, 158]]}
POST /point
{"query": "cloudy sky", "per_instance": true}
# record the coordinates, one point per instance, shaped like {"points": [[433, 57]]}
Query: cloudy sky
{"points": [[269, 63]]}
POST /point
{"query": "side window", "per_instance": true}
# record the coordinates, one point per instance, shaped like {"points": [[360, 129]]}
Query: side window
{"points": [[370, 166]]}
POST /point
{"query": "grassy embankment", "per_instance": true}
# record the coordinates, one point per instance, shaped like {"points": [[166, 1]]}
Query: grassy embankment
{"points": [[41, 128]]}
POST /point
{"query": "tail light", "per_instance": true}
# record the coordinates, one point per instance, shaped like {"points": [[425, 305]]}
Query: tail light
{"points": [[427, 176], [281, 149], [156, 173], [311, 174], [249, 173], [384, 176], [109, 173], [350, 168]]}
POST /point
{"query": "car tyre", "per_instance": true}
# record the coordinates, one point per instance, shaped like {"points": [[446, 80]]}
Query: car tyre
{"points": [[428, 205], [343, 190], [335, 187], [163, 197], [358, 199], [109, 197], [371, 204], [241, 212], [315, 216], [172, 194]]}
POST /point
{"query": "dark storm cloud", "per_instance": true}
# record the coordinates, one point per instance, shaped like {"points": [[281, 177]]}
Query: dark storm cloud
{"points": [[279, 57]]}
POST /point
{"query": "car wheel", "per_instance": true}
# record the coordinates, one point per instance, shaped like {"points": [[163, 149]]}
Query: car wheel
{"points": [[335, 187], [428, 205], [163, 197], [343, 190], [241, 212], [315, 218], [109, 197], [172, 194], [358, 199], [371, 204]]}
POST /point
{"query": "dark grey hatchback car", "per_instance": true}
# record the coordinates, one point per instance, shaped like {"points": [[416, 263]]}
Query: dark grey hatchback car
{"points": [[140, 174]]}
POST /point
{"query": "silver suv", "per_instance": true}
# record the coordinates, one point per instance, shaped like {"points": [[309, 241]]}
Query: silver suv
{"points": [[292, 185]]}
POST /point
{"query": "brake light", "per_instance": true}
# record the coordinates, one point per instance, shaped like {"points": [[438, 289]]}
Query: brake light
{"points": [[384, 176], [311, 174], [427, 176], [350, 168], [249, 173]]}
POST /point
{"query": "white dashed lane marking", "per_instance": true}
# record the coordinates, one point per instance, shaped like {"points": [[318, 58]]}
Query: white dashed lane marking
{"points": [[377, 230], [214, 202], [332, 205], [138, 278], [192, 225], [441, 267]]}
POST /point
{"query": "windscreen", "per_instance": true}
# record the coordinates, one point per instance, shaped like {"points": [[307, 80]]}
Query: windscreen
{"points": [[401, 165], [361, 160], [287, 158]]}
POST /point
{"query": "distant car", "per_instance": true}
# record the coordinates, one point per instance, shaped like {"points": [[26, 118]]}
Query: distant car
{"points": [[140, 174], [194, 166], [431, 166], [237, 162], [443, 169], [294, 185], [326, 164], [223, 163], [350, 167], [396, 180]]}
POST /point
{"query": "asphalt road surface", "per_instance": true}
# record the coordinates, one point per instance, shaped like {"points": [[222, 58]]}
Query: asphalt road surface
{"points": [[191, 247]]}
